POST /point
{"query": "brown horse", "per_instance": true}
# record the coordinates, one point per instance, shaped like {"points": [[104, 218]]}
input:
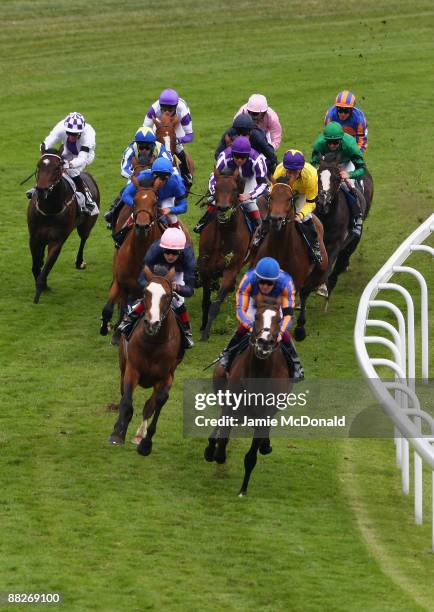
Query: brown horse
{"points": [[128, 259], [285, 243], [335, 215], [263, 362], [149, 359], [223, 246], [165, 132], [52, 215]]}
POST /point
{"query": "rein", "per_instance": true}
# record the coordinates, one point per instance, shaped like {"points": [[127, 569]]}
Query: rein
{"points": [[51, 188]]}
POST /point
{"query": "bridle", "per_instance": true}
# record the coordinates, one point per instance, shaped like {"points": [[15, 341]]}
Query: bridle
{"points": [[152, 215], [166, 311], [224, 215], [325, 197], [254, 341], [289, 217], [50, 188]]}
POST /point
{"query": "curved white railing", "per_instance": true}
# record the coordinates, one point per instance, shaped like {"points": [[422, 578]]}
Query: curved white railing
{"points": [[413, 426]]}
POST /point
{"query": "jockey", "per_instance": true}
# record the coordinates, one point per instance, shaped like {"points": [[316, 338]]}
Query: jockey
{"points": [[169, 187], [266, 279], [78, 139], [350, 117], [144, 148], [169, 101], [264, 117], [169, 251], [252, 169], [335, 140], [243, 125]]}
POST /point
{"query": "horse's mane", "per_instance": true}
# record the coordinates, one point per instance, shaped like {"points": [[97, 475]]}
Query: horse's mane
{"points": [[52, 151], [332, 157], [267, 301], [146, 182]]}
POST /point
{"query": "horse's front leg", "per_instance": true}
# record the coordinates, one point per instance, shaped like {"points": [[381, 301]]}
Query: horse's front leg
{"points": [[206, 302], [300, 331], [154, 405], [37, 248], [250, 460], [130, 382], [41, 282], [227, 285], [212, 441]]}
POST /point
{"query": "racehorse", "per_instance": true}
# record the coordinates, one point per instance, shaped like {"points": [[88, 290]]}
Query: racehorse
{"points": [[335, 215], [223, 246], [149, 359], [284, 242], [165, 132], [52, 215], [264, 362], [128, 259]]}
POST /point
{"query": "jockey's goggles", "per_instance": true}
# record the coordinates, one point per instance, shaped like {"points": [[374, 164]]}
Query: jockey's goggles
{"points": [[243, 131], [171, 252], [264, 281], [145, 145], [343, 111], [335, 141], [255, 115], [78, 134], [161, 175], [240, 155], [168, 107]]}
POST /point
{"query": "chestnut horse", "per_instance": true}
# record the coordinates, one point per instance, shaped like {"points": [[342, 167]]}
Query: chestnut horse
{"points": [[263, 362], [285, 243], [223, 246], [165, 132], [149, 359], [128, 260], [52, 215], [335, 215]]}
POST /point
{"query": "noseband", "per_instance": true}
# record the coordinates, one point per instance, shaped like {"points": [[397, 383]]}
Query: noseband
{"points": [[284, 220]]}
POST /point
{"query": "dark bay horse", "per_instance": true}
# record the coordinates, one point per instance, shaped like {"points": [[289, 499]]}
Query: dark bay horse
{"points": [[223, 247], [128, 259], [285, 243], [335, 215], [52, 215], [263, 362], [149, 359], [165, 132]]}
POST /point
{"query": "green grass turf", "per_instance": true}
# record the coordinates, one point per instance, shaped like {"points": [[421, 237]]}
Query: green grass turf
{"points": [[324, 526]]}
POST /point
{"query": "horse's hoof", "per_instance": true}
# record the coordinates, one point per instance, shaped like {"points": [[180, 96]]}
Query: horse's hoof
{"points": [[81, 266], [115, 439], [266, 449], [103, 330], [136, 440], [115, 340], [209, 454], [242, 493], [219, 458], [204, 337], [145, 447], [36, 299], [299, 334]]}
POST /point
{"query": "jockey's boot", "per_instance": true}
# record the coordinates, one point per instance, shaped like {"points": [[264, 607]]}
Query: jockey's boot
{"points": [[228, 353], [312, 237], [255, 219], [111, 215], [204, 220], [120, 236], [262, 232], [30, 192], [184, 170], [354, 206], [292, 358], [184, 318], [90, 207], [126, 326]]}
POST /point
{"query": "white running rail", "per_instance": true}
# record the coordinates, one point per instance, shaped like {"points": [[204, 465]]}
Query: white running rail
{"points": [[398, 399]]}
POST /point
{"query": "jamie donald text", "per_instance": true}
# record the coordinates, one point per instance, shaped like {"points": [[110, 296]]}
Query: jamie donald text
{"points": [[279, 421]]}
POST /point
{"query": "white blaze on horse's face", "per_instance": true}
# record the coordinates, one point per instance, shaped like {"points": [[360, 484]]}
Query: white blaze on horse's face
{"points": [[167, 142], [157, 291], [325, 176], [46, 162], [267, 319]]}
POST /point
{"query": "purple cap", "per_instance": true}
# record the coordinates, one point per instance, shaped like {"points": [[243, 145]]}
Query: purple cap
{"points": [[241, 144], [169, 97], [293, 160]]}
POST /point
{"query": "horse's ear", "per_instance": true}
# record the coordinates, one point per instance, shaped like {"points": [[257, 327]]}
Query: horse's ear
{"points": [[134, 162], [217, 172], [42, 148], [156, 121], [61, 150], [236, 174], [175, 121], [135, 181], [171, 274], [148, 273]]}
